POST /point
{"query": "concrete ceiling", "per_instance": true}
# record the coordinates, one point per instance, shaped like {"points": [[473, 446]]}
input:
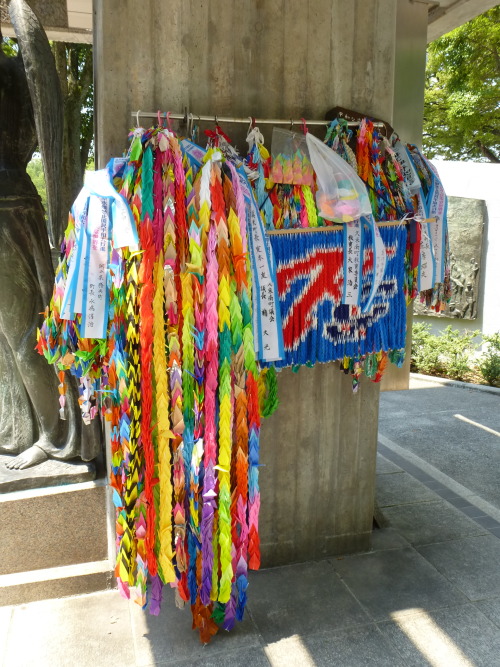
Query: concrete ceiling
{"points": [[71, 20], [449, 14], [63, 20]]}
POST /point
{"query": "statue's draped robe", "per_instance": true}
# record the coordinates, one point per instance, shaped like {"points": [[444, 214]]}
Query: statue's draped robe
{"points": [[29, 397]]}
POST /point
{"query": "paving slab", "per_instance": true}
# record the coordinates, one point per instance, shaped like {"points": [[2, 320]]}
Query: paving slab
{"points": [[427, 523], [350, 647], [492, 497], [396, 580], [384, 466], [472, 511], [471, 564], [169, 636], [253, 657], [491, 609], [436, 603], [487, 522], [418, 381], [442, 484], [433, 399], [461, 450], [401, 488], [387, 538], [301, 599], [87, 631], [5, 618], [456, 636]]}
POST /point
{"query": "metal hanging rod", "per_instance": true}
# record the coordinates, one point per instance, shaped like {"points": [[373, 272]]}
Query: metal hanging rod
{"points": [[232, 119], [336, 228]]}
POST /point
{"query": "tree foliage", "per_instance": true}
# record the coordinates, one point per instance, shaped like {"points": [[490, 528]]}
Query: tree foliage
{"points": [[9, 46], [462, 98], [35, 172], [75, 69]]}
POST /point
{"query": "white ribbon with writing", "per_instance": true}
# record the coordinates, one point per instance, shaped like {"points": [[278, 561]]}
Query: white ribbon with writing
{"points": [[379, 261], [267, 314], [427, 265], [72, 298], [410, 175], [95, 291], [124, 229], [353, 253], [438, 209]]}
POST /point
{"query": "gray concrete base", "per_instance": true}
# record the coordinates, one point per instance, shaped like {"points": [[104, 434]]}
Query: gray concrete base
{"points": [[54, 542], [57, 582], [47, 473]]}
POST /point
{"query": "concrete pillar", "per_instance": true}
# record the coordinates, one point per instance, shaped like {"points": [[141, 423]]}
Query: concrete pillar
{"points": [[269, 58], [408, 118]]}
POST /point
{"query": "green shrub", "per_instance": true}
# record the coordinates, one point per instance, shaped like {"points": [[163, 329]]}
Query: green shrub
{"points": [[425, 350], [490, 362], [448, 354], [457, 350]]}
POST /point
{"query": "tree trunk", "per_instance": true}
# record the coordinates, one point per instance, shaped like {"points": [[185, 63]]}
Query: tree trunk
{"points": [[488, 153], [72, 168], [74, 66]]}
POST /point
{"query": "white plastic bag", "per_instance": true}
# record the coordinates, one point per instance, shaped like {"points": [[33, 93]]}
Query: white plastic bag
{"points": [[341, 194]]}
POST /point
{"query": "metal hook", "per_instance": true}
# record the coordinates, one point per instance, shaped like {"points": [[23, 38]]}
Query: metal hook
{"points": [[137, 118], [291, 123]]}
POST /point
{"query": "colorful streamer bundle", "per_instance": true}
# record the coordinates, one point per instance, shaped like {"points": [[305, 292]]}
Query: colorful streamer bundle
{"points": [[376, 163], [293, 207], [434, 276], [401, 183], [283, 206], [387, 202], [293, 169], [338, 137], [312, 268], [317, 326], [179, 370], [290, 160], [185, 301]]}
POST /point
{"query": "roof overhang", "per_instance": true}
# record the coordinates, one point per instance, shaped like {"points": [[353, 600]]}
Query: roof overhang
{"points": [[446, 15], [63, 20]]}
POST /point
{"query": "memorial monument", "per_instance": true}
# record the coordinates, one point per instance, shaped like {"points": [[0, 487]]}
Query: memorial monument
{"points": [[31, 430]]}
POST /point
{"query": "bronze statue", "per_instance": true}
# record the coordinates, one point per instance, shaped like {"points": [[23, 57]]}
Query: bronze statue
{"points": [[30, 110]]}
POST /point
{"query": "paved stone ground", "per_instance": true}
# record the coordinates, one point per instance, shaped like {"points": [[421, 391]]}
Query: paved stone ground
{"points": [[427, 594]]}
